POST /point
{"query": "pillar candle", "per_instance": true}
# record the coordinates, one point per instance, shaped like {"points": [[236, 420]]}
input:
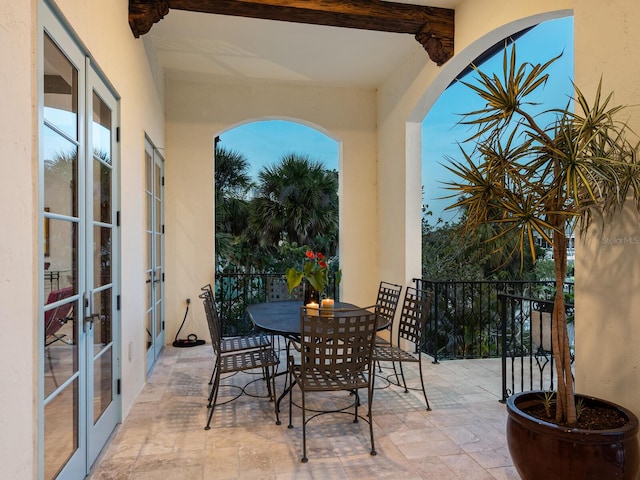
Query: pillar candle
{"points": [[312, 308]]}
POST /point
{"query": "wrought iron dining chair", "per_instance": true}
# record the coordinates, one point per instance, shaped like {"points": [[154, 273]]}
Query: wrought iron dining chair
{"points": [[411, 328], [335, 354], [231, 361], [278, 290], [236, 343], [386, 305]]}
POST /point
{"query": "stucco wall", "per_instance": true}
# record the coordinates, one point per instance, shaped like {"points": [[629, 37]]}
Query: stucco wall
{"points": [[198, 110], [608, 261], [17, 242]]}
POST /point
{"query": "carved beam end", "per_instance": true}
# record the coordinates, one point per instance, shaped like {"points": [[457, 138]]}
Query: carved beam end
{"points": [[439, 47], [144, 13]]}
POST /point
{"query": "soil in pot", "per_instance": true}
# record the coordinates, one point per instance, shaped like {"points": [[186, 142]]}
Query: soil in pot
{"points": [[592, 417]]}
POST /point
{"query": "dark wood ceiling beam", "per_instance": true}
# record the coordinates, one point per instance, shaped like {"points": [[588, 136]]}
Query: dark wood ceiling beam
{"points": [[432, 27]]}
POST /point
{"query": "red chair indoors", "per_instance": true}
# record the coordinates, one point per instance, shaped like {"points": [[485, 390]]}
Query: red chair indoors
{"points": [[55, 318]]}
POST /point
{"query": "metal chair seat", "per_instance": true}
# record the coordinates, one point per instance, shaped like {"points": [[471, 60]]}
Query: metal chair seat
{"points": [[315, 380], [248, 360], [388, 353], [247, 342]]}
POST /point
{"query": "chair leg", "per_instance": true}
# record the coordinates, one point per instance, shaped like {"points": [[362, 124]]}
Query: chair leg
{"points": [[304, 430], [424, 391], [213, 397], [404, 382], [216, 384], [357, 404], [290, 400], [373, 445]]}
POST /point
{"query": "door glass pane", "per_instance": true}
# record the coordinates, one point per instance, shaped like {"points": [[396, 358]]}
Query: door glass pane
{"points": [[158, 305], [102, 331], [61, 349], [60, 430], [60, 173], [103, 363], [148, 162], [102, 255], [149, 323], [101, 192], [158, 180], [158, 253], [60, 90], [61, 262], [101, 129], [102, 383]]}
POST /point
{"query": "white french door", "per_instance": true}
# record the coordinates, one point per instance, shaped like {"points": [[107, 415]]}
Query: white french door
{"points": [[79, 345], [154, 257]]}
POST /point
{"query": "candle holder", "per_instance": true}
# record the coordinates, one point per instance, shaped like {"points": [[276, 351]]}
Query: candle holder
{"points": [[310, 294]]}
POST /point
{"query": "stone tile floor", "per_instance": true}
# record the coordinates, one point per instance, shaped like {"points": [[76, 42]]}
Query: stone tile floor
{"points": [[462, 437]]}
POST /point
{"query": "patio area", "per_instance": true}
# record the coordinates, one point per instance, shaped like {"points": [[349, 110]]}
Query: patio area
{"points": [[163, 436]]}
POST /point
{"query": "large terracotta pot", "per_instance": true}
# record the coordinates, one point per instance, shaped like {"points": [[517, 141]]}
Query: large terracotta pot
{"points": [[541, 450]]}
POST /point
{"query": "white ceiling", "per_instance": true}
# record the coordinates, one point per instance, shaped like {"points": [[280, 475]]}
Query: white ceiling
{"points": [[247, 48]]}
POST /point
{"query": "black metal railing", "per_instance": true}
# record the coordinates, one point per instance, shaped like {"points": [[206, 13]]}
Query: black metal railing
{"points": [[467, 320], [465, 316], [234, 291], [527, 353]]}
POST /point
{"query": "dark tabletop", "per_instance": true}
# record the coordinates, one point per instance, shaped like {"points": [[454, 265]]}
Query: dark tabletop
{"points": [[281, 318]]}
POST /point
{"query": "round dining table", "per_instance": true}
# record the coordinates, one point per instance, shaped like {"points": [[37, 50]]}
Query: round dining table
{"points": [[283, 318]]}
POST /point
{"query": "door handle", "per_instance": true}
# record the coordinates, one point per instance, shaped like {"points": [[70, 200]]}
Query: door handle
{"points": [[89, 319]]}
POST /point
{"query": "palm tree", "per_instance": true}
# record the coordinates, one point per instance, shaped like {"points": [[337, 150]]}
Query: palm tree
{"points": [[296, 201], [524, 178], [232, 185]]}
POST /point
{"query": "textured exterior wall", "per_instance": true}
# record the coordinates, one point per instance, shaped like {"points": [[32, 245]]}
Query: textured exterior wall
{"points": [[18, 245], [608, 261]]}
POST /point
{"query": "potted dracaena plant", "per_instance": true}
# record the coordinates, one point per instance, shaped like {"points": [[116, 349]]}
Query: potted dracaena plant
{"points": [[523, 178]]}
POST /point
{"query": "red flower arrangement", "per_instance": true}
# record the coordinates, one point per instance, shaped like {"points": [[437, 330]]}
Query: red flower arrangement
{"points": [[314, 270]]}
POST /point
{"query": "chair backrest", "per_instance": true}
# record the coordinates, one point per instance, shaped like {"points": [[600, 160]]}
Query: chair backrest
{"points": [[340, 343], [414, 315], [213, 321], [55, 318], [278, 290], [208, 289], [387, 301]]}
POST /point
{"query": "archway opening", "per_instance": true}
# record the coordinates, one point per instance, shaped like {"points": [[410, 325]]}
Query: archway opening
{"points": [[443, 136], [277, 188]]}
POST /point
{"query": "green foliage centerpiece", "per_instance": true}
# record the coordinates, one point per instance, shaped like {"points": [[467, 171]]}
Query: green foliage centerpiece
{"points": [[314, 270]]}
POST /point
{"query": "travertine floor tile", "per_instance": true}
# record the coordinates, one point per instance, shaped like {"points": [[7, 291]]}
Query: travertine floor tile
{"points": [[163, 437]]}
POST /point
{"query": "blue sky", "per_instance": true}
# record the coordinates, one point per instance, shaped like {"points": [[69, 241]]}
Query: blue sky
{"points": [[440, 134], [265, 142]]}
